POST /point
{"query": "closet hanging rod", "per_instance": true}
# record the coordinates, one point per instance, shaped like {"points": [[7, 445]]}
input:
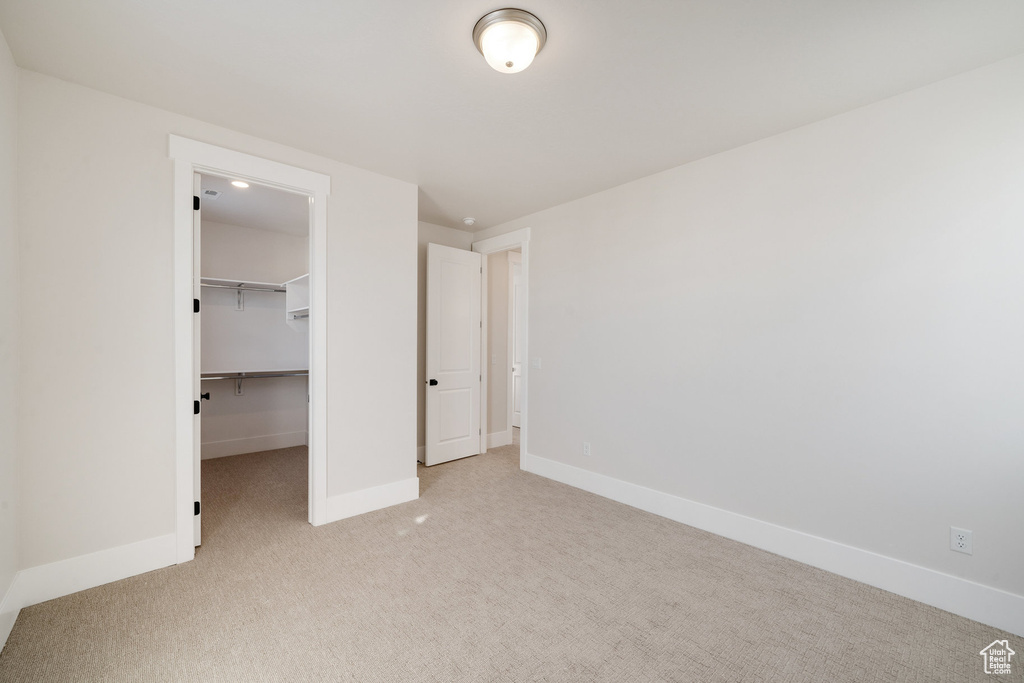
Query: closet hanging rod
{"points": [[254, 375], [243, 288]]}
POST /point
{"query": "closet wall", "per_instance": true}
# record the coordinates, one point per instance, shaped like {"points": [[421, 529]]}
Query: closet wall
{"points": [[271, 412], [264, 255]]}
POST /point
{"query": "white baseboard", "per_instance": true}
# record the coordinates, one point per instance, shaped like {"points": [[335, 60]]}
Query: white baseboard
{"points": [[57, 579], [252, 444], [959, 596], [367, 500], [495, 439]]}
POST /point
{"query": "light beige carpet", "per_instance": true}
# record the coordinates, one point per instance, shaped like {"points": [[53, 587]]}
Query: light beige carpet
{"points": [[492, 575]]}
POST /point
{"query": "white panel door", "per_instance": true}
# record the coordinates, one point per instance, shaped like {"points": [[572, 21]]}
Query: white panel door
{"points": [[197, 426], [515, 270], [453, 354]]}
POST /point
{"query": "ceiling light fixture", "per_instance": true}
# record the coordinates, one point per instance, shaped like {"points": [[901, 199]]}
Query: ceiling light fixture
{"points": [[509, 39], [470, 222], [240, 183]]}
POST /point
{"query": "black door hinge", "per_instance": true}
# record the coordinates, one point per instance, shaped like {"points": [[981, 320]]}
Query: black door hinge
{"points": [[195, 203], [195, 407], [198, 507], [195, 305]]}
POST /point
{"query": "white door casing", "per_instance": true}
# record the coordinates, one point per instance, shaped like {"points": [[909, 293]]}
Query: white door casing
{"points": [[191, 156], [453, 421], [515, 342], [517, 239]]}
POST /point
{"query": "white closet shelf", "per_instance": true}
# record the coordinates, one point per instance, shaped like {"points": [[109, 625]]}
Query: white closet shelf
{"points": [[245, 285], [259, 374], [296, 298]]}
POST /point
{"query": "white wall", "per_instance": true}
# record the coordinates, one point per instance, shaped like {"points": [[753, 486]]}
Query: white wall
{"points": [[235, 251], [449, 237], [9, 286], [97, 429], [270, 413], [260, 337], [821, 330], [497, 343]]}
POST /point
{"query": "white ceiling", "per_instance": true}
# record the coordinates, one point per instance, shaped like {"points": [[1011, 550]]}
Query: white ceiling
{"points": [[621, 90], [256, 206]]}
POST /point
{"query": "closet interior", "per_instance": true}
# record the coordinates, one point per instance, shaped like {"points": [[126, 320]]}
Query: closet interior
{"points": [[254, 318]]}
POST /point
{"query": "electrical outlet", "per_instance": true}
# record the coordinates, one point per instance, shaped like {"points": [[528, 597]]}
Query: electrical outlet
{"points": [[961, 540], [586, 449]]}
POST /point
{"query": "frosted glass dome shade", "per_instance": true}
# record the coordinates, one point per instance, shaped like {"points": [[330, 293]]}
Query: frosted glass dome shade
{"points": [[509, 39]]}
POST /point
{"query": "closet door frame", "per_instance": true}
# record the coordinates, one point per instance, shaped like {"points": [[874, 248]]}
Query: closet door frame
{"points": [[190, 157]]}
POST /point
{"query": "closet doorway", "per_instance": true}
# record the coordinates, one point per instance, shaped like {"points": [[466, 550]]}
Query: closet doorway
{"points": [[252, 251], [297, 311]]}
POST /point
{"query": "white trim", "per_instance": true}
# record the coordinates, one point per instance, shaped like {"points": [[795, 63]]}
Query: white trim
{"points": [[8, 612], [513, 259], [510, 240], [485, 345], [50, 581], [253, 444], [263, 171], [191, 156], [960, 596], [503, 242], [495, 439], [375, 498], [184, 424], [316, 437]]}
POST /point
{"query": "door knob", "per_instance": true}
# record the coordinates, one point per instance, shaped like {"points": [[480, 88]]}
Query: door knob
{"points": [[432, 382], [205, 397]]}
